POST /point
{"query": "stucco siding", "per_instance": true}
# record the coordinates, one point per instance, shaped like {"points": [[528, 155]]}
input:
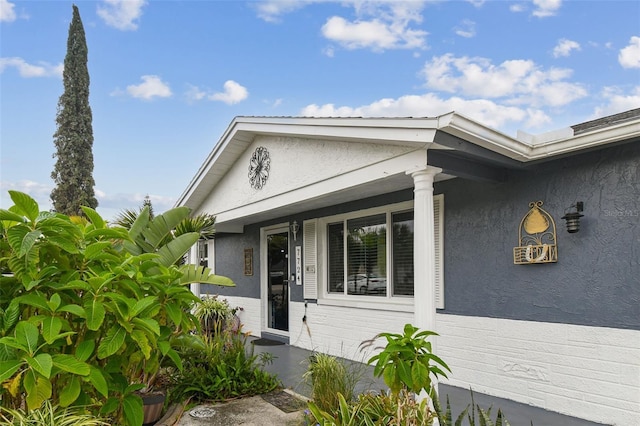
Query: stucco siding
{"points": [[596, 280]]}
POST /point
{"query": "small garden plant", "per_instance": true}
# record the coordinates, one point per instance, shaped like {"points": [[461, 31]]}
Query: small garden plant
{"points": [[408, 367], [329, 377], [223, 368]]}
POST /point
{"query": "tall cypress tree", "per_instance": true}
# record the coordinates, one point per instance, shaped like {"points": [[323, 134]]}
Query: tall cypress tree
{"points": [[73, 171]]}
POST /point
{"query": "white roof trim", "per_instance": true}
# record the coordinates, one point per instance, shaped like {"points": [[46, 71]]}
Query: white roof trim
{"points": [[419, 132]]}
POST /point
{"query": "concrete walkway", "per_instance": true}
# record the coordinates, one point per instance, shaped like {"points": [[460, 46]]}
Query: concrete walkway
{"points": [[290, 363]]}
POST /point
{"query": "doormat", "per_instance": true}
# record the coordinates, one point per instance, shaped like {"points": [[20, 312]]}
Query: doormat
{"points": [[284, 401], [266, 342]]}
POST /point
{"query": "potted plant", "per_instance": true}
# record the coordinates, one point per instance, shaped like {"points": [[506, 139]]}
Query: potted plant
{"points": [[216, 315]]}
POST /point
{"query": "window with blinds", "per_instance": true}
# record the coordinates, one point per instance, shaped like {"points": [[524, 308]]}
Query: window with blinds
{"points": [[369, 253], [402, 253]]}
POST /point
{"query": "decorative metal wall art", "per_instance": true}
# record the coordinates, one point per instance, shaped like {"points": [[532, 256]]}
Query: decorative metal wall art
{"points": [[536, 237], [259, 166]]}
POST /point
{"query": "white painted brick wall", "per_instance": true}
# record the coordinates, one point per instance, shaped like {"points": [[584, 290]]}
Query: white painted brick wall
{"points": [[339, 330], [587, 372]]}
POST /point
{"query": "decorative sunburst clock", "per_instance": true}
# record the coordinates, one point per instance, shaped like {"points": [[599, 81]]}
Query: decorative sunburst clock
{"points": [[536, 237], [259, 166]]}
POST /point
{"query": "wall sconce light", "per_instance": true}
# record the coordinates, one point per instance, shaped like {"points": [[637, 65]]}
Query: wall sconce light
{"points": [[294, 230], [572, 216]]}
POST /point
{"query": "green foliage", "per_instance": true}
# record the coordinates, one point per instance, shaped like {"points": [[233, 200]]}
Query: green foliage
{"points": [[484, 416], [215, 314], [90, 314], [330, 376], [223, 368], [376, 409], [73, 139], [49, 415], [407, 362]]}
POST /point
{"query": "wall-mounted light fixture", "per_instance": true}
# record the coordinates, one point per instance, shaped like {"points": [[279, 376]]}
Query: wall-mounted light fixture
{"points": [[294, 229], [572, 216]]}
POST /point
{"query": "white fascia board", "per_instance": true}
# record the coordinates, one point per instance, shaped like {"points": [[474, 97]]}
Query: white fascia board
{"points": [[486, 137], [206, 166], [383, 130]]}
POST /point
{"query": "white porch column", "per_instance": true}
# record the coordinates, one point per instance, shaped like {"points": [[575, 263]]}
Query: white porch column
{"points": [[424, 257]]}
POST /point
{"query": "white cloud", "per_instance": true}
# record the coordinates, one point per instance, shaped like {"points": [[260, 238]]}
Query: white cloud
{"points": [[546, 8], [564, 47], [151, 87], [38, 191], [379, 26], [629, 56], [467, 29], [430, 105], [121, 201], [194, 94], [233, 93], [515, 81], [476, 3], [121, 14], [272, 10], [329, 51], [43, 69], [517, 7], [7, 14], [616, 100]]}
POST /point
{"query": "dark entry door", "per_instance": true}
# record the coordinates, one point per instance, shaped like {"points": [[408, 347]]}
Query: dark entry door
{"points": [[278, 281]]}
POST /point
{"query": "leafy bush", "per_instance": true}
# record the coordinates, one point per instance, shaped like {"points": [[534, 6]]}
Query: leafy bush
{"points": [[88, 312], [223, 368]]}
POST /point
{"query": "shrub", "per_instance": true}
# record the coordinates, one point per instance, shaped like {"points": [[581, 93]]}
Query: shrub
{"points": [[225, 367], [330, 376], [88, 312]]}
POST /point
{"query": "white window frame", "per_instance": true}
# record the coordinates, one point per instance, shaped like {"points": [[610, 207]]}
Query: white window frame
{"points": [[388, 302]]}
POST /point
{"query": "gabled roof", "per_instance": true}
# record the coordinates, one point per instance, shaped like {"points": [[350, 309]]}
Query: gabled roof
{"points": [[451, 132]]}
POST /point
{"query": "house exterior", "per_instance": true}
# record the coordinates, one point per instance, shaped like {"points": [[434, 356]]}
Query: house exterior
{"points": [[336, 229]]}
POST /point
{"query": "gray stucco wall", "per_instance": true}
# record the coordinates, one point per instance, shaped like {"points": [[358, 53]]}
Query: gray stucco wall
{"points": [[229, 252], [596, 280]]}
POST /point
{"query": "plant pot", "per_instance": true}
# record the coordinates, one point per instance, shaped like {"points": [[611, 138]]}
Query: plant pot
{"points": [[152, 404]]}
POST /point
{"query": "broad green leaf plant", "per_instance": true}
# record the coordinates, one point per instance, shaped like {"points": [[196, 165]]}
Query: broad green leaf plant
{"points": [[89, 312], [407, 361]]}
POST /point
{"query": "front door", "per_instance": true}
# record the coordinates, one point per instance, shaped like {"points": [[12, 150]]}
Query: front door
{"points": [[278, 281]]}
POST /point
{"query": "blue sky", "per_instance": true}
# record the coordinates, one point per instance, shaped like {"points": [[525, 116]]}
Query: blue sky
{"points": [[167, 77]]}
